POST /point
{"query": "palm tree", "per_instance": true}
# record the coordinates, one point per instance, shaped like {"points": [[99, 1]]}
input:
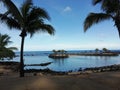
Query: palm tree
{"points": [[96, 50], [105, 50], [6, 52], [111, 10], [55, 52], [29, 19]]}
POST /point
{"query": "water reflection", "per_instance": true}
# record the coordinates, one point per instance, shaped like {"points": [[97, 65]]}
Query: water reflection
{"points": [[103, 57], [60, 61], [72, 63], [76, 62]]}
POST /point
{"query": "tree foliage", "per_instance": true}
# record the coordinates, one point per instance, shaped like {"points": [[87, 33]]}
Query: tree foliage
{"points": [[29, 19], [110, 10], [6, 52]]}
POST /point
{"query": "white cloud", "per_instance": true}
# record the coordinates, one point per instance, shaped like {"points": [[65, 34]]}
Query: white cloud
{"points": [[67, 9]]}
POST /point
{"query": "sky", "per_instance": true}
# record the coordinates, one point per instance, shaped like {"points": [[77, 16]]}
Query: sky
{"points": [[67, 17]]}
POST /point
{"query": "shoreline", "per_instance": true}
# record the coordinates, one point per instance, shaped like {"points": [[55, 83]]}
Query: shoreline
{"points": [[84, 81], [14, 67], [109, 68]]}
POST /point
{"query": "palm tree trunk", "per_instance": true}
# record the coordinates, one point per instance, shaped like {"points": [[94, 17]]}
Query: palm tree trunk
{"points": [[117, 23], [22, 35], [21, 57], [118, 28]]}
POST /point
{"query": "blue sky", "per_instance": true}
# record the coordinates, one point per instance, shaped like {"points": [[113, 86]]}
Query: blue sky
{"points": [[67, 17]]}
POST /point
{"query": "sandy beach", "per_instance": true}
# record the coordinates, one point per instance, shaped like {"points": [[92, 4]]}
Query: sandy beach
{"points": [[10, 80]]}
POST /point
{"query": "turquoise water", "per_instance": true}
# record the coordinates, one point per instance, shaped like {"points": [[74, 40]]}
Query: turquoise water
{"points": [[72, 63]]}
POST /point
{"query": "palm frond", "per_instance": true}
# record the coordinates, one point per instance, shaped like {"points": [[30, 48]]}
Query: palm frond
{"points": [[13, 10], [110, 6], [12, 48], [6, 53], [38, 26], [47, 28], [35, 22], [96, 1], [25, 8], [11, 22], [94, 18], [37, 13], [4, 40]]}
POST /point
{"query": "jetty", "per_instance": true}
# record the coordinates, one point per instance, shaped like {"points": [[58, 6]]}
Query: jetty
{"points": [[41, 64], [95, 54]]}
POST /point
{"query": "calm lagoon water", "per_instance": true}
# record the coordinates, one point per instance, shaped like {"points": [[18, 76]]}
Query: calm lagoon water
{"points": [[72, 63]]}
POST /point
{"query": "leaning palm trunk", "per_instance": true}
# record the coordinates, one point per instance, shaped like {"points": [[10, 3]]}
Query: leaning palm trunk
{"points": [[23, 35], [118, 27], [117, 23]]}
